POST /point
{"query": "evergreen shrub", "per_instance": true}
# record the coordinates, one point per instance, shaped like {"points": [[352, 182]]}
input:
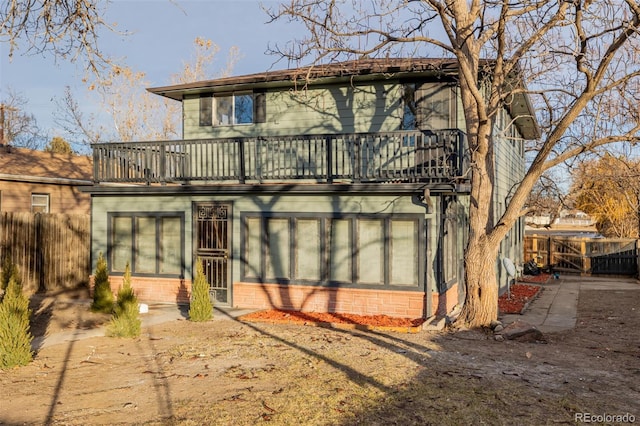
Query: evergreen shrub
{"points": [[15, 338], [8, 270], [201, 307], [102, 294], [126, 316]]}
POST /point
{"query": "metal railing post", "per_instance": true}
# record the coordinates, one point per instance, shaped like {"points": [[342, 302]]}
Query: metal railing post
{"points": [[329, 148], [241, 168], [162, 151]]}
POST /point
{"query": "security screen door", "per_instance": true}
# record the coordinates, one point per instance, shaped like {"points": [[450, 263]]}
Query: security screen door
{"points": [[213, 232]]}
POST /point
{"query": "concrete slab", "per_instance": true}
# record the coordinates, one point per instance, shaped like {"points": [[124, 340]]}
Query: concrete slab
{"points": [[556, 309]]}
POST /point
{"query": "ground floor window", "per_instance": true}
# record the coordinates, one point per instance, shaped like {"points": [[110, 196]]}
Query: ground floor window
{"points": [[353, 250], [453, 239], [152, 243], [39, 203]]}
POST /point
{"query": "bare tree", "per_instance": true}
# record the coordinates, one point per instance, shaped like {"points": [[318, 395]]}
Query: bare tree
{"points": [[134, 113], [68, 29], [17, 126], [578, 58], [547, 198]]}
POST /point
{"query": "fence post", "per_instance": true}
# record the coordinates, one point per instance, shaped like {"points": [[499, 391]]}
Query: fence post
{"points": [[637, 254], [586, 266]]}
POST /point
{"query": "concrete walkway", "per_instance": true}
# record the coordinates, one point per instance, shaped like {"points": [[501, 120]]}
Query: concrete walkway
{"points": [[158, 314], [556, 309]]}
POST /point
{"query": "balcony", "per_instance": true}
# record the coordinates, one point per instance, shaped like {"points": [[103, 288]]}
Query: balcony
{"points": [[405, 156]]}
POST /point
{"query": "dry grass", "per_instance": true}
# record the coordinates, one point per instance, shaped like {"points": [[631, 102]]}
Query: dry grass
{"points": [[233, 373]]}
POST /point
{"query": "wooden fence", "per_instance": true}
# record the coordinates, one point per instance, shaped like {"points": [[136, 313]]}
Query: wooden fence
{"points": [[597, 256], [51, 251]]}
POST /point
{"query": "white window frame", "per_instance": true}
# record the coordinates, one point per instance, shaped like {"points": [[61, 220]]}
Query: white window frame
{"points": [[35, 205]]}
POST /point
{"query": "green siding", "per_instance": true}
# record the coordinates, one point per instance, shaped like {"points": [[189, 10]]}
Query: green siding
{"points": [[361, 204], [318, 110], [510, 169]]}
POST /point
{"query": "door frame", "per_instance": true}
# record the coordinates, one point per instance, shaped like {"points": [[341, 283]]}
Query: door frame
{"points": [[215, 204]]}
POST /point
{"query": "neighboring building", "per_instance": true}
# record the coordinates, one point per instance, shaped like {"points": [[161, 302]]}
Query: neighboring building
{"points": [[43, 182], [569, 223], [340, 188]]}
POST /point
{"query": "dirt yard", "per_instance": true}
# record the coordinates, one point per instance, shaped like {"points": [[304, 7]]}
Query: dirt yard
{"points": [[230, 373]]}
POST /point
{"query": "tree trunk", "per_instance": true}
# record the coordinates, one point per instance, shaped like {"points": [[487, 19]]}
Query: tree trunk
{"points": [[481, 298]]}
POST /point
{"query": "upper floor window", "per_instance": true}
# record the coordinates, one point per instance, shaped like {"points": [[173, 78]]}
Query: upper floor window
{"points": [[409, 115], [39, 203], [429, 105], [232, 109]]}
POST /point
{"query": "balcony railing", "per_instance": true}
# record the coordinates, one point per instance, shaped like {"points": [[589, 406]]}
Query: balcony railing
{"points": [[406, 156]]}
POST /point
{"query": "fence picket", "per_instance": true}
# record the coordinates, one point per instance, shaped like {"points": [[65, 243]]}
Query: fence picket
{"points": [[606, 256], [51, 251]]}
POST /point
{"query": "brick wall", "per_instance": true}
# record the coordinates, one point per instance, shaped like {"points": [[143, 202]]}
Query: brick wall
{"points": [[152, 289], [443, 303], [405, 304], [408, 304]]}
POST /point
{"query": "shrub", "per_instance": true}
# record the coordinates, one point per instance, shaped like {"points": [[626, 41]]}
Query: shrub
{"points": [[8, 269], [201, 307], [15, 338], [125, 321], [102, 295]]}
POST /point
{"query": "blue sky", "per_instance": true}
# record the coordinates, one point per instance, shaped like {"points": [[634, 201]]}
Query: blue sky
{"points": [[161, 39]]}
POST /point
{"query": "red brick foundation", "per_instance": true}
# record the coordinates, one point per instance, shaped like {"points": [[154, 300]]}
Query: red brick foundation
{"points": [[443, 303], [153, 289], [407, 304]]}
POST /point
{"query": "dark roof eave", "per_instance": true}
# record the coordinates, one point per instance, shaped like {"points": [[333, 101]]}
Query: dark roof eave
{"points": [[361, 69], [290, 188]]}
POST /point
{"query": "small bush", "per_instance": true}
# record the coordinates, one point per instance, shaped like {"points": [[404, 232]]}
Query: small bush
{"points": [[102, 295], [200, 308], [125, 321], [8, 270], [15, 338]]}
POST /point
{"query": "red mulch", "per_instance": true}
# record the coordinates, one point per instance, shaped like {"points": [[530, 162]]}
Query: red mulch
{"points": [[277, 315], [514, 301]]}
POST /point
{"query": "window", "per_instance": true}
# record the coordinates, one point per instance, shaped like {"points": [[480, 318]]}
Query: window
{"points": [[409, 116], [371, 252], [453, 238], [151, 243], [428, 106], [39, 203], [232, 109]]}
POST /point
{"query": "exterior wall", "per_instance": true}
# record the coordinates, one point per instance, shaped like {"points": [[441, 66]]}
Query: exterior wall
{"points": [[172, 290], [510, 169], [409, 304], [16, 197], [444, 302], [345, 108], [154, 289]]}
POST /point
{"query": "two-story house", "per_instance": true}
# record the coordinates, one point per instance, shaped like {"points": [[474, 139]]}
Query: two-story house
{"points": [[340, 188]]}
